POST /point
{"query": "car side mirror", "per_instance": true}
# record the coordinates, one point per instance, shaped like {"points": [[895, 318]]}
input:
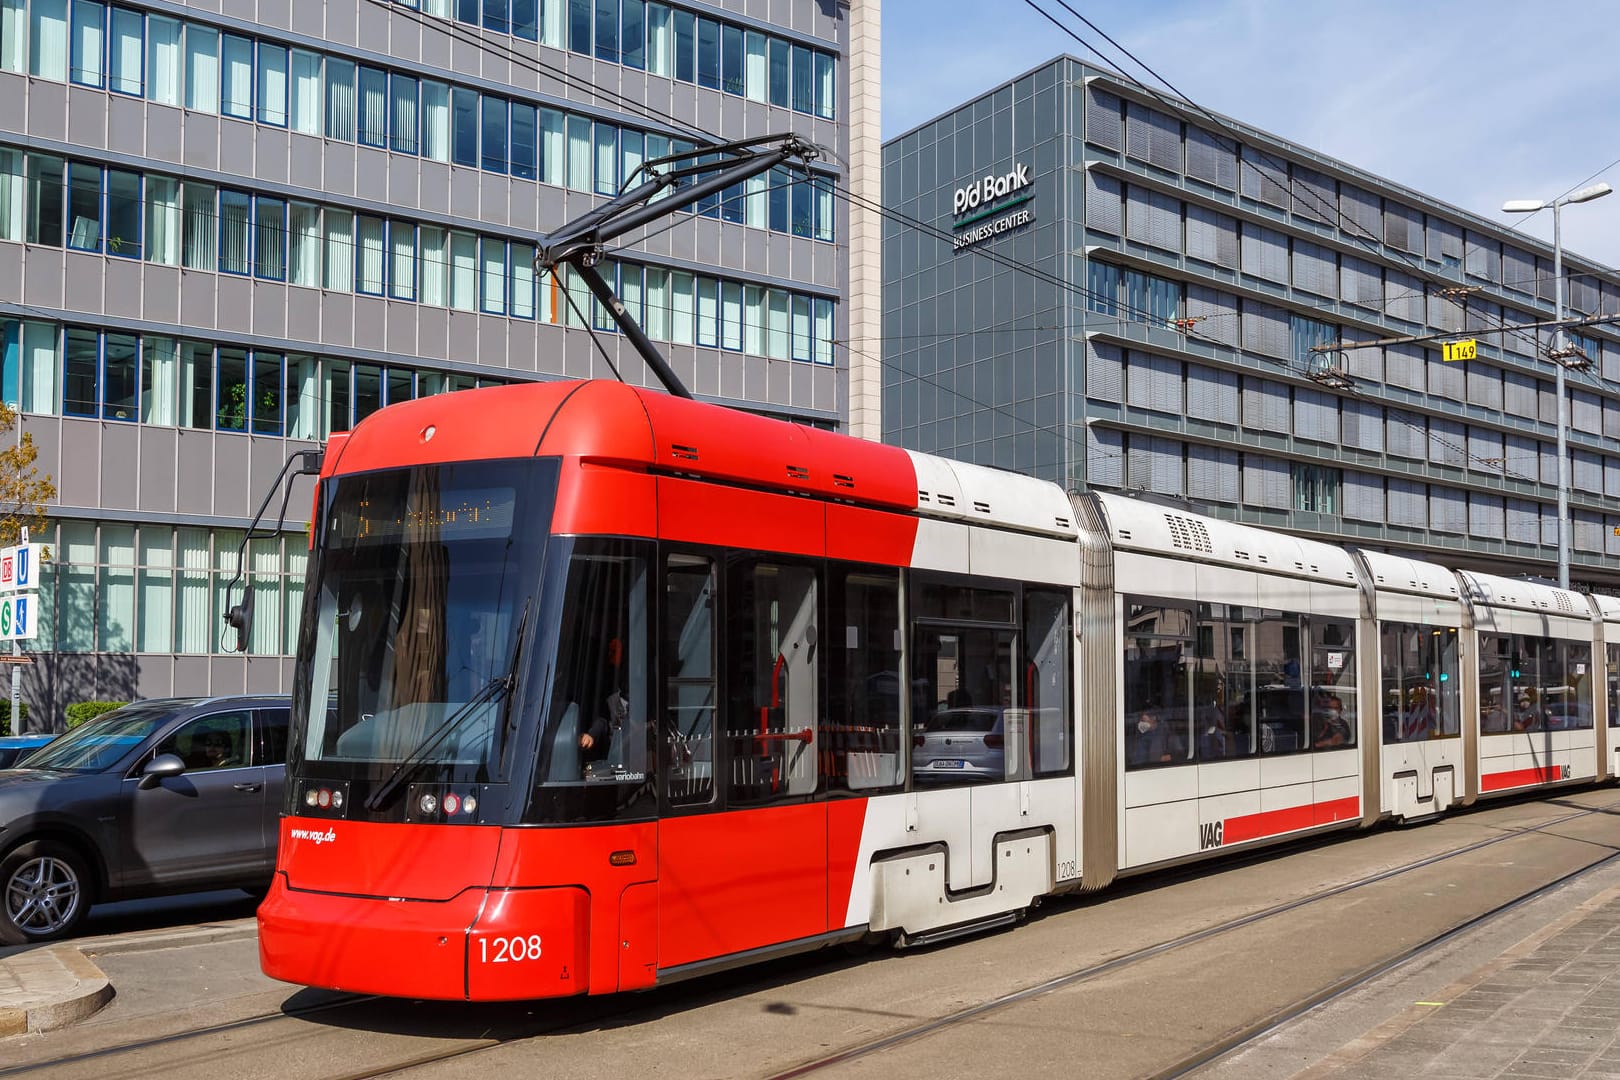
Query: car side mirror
{"points": [[160, 769]]}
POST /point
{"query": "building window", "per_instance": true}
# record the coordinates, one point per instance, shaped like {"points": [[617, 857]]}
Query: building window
{"points": [[120, 382], [272, 85], [48, 39], [494, 118], [202, 68], [1306, 334], [84, 206], [236, 77], [373, 108], [1102, 288], [124, 213], [1316, 488], [89, 23], [235, 214], [270, 239], [1151, 299], [340, 105], [402, 120], [80, 373]]}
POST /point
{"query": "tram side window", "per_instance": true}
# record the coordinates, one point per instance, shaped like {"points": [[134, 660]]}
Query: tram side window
{"points": [[1046, 685], [598, 717], [1524, 684], [1281, 701], [772, 641], [1333, 683], [1160, 665], [860, 736], [1495, 689], [1222, 687], [1548, 684], [1614, 684], [689, 680], [967, 714], [1421, 691], [1570, 706]]}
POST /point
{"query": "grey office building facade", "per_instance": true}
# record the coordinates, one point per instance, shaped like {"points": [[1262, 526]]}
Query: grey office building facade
{"points": [[1141, 314], [230, 229]]}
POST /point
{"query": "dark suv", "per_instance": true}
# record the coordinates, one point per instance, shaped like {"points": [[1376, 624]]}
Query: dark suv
{"points": [[161, 796]]}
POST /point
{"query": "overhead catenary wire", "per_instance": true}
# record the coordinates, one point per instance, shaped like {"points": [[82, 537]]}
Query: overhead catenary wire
{"points": [[459, 32], [1182, 100], [1146, 316], [510, 53]]}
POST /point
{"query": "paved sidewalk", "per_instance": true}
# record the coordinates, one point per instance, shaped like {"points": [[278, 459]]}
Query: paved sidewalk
{"points": [[1547, 1007], [47, 987]]}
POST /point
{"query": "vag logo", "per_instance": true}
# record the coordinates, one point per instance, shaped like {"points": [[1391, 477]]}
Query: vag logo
{"points": [[987, 190], [1209, 834]]}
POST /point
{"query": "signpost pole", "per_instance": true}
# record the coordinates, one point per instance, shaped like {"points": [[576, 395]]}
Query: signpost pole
{"points": [[16, 668]]}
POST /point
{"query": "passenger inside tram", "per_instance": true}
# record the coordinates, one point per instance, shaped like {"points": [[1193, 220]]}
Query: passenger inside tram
{"points": [[1216, 738], [1153, 741], [1332, 728], [1528, 714]]}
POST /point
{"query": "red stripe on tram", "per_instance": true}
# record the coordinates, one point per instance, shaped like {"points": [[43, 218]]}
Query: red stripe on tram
{"points": [[1236, 830], [1544, 774]]}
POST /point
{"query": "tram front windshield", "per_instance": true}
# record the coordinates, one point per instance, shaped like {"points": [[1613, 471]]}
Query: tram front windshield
{"points": [[423, 592]]}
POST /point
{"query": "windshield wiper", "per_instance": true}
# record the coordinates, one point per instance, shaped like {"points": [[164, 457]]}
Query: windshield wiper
{"points": [[499, 686]]}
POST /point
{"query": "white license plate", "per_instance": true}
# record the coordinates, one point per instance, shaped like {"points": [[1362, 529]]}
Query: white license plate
{"points": [[950, 764]]}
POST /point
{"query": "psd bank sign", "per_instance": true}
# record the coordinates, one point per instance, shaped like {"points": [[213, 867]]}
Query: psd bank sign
{"points": [[991, 206]]}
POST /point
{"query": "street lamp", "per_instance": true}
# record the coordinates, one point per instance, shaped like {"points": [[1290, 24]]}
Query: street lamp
{"points": [[1530, 206]]}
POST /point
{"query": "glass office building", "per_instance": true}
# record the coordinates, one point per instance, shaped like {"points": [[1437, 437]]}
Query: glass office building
{"points": [[1104, 288], [230, 229]]}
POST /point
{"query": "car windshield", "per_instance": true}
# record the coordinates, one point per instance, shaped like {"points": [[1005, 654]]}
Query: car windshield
{"points": [[961, 720], [101, 743], [421, 580]]}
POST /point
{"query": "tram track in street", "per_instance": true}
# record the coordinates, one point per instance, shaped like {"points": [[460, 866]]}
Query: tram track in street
{"points": [[481, 1029], [1236, 1040], [244, 1023]]}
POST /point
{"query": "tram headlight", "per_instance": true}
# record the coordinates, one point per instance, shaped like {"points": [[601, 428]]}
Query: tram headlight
{"points": [[429, 804], [310, 797], [451, 803], [337, 800], [470, 804]]}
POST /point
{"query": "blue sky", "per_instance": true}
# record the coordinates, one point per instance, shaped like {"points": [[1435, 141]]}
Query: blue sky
{"points": [[1473, 103]]}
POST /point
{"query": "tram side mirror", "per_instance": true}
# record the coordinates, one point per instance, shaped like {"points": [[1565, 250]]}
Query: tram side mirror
{"points": [[240, 618], [160, 769]]}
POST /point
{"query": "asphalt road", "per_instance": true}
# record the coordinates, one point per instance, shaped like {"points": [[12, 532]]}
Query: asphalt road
{"points": [[203, 1010]]}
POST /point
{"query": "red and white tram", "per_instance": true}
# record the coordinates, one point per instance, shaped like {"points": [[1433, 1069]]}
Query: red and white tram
{"points": [[599, 688]]}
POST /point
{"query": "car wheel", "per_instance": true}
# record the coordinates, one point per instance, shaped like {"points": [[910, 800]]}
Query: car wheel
{"points": [[44, 893]]}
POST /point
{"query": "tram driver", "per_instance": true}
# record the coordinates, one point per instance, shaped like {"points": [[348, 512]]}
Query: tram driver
{"points": [[611, 709]]}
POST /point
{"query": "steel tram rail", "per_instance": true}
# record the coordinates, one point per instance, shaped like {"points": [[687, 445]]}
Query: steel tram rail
{"points": [[1234, 1041], [574, 1021], [244, 1023]]}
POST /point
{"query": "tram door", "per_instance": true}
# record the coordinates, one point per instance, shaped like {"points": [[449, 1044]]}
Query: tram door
{"points": [[970, 718], [742, 845], [1420, 702]]}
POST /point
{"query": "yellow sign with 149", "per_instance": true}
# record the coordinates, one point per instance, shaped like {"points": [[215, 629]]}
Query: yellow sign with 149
{"points": [[1459, 350]]}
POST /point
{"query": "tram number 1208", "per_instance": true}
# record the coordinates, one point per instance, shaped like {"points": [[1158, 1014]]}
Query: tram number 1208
{"points": [[509, 950]]}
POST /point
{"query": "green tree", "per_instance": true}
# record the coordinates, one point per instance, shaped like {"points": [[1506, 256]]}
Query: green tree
{"points": [[23, 491]]}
